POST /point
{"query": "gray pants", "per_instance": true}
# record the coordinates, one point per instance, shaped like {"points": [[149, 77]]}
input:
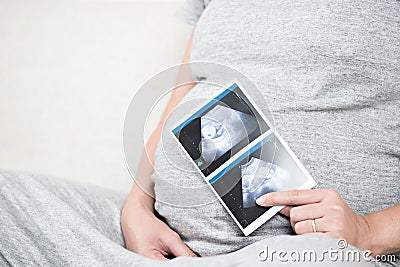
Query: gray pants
{"points": [[48, 222]]}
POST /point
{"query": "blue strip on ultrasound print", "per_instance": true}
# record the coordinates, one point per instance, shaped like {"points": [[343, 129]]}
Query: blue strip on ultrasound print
{"points": [[239, 159], [208, 105]]}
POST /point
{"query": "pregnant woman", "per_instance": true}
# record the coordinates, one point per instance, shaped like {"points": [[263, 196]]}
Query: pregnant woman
{"points": [[329, 70]]}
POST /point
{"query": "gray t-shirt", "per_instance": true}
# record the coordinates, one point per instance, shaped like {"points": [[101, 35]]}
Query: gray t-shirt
{"points": [[329, 71]]}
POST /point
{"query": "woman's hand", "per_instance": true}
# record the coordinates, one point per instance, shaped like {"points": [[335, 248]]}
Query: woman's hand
{"points": [[321, 212], [148, 236]]}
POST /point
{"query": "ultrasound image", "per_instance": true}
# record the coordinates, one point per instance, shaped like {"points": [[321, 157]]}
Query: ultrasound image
{"points": [[221, 129], [260, 177]]}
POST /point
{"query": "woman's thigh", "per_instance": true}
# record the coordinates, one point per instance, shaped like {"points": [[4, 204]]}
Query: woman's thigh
{"points": [[49, 222]]}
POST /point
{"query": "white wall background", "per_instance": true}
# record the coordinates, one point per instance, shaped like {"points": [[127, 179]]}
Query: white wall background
{"points": [[68, 70]]}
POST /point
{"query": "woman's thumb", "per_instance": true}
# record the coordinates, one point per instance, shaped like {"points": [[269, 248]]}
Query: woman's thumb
{"points": [[178, 248]]}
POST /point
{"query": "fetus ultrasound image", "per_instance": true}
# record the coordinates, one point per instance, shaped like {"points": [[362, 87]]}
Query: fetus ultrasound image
{"points": [[220, 129], [266, 168], [260, 177]]}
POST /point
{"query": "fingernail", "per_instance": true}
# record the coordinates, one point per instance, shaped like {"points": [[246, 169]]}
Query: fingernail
{"points": [[261, 200]]}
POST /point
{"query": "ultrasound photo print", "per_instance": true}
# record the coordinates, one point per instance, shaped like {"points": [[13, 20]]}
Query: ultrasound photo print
{"points": [[220, 129], [264, 168]]}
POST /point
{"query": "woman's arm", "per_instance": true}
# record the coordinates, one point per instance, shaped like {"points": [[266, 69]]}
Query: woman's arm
{"points": [[384, 228], [144, 233], [378, 232]]}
